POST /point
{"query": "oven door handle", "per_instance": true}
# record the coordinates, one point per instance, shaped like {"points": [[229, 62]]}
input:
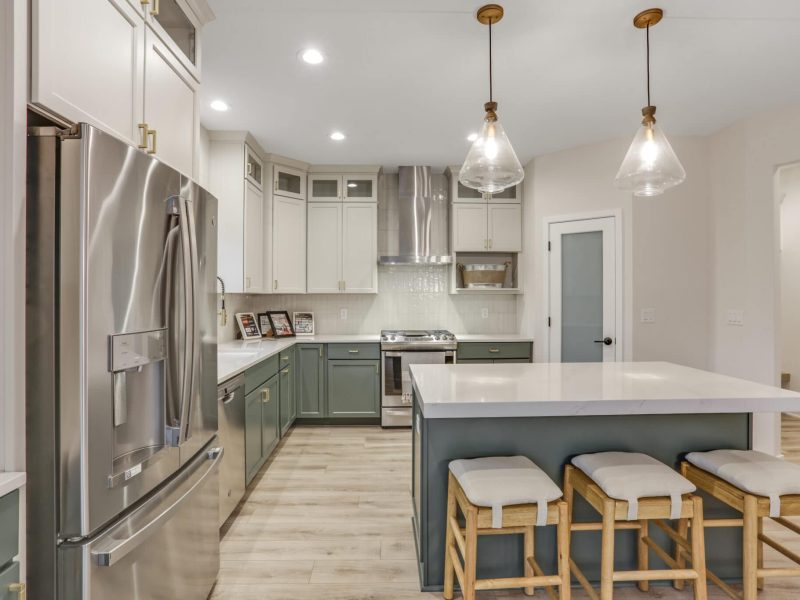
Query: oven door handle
{"points": [[393, 354]]}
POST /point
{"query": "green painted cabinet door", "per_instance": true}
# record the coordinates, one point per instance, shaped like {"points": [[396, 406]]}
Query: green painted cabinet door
{"points": [[252, 433], [310, 366], [8, 577], [270, 410], [286, 377], [354, 388]]}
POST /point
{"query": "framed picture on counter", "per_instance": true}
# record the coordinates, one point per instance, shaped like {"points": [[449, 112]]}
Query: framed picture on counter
{"points": [[248, 326], [264, 325], [303, 323], [281, 323]]}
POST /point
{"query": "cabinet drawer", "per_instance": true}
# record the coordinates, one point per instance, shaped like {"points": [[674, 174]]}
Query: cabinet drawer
{"points": [[9, 527], [486, 350], [287, 357], [354, 351], [255, 376]]}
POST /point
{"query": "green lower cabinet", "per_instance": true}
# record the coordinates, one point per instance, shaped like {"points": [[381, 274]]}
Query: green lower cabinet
{"points": [[354, 388], [474, 361], [310, 393], [261, 432], [8, 577], [288, 409]]}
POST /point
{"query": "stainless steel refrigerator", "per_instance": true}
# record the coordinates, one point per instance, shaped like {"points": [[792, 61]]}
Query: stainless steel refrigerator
{"points": [[121, 373]]}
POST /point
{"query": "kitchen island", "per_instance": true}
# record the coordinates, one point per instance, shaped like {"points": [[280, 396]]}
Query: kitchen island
{"points": [[551, 412]]}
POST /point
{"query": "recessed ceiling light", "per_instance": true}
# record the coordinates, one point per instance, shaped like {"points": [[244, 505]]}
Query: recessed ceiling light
{"points": [[472, 137], [312, 56], [337, 136], [220, 105]]}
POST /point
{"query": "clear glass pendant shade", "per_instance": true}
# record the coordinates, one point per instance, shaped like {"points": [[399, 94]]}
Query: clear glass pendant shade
{"points": [[491, 164], [650, 166]]}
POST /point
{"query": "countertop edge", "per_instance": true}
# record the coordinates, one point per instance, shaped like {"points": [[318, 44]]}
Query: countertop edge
{"points": [[10, 481]]}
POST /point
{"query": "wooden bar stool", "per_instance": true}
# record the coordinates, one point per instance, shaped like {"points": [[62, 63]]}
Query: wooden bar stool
{"points": [[630, 490], [502, 496], [759, 486]]}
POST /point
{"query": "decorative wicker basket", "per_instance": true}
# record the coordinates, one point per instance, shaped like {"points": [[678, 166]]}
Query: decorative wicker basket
{"points": [[483, 276]]}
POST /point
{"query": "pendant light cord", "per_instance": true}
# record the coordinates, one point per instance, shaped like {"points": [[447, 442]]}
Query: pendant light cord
{"points": [[491, 99], [648, 63]]}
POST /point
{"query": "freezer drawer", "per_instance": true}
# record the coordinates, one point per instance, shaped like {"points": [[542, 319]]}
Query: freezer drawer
{"points": [[167, 548]]}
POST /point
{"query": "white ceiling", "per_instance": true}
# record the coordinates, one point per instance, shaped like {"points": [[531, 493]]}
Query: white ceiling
{"points": [[406, 80]]}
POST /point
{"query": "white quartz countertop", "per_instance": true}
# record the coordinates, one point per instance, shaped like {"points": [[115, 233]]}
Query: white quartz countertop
{"points": [[564, 389], [10, 481], [492, 337], [236, 357]]}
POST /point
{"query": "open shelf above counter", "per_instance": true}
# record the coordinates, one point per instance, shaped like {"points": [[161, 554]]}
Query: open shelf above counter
{"points": [[461, 260]]}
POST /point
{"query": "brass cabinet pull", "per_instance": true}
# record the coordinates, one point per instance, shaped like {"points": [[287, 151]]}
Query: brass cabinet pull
{"points": [[284, 358], [494, 350], [155, 10], [377, 369], [354, 351], [265, 396], [285, 372], [275, 285], [153, 135], [247, 282], [19, 589], [490, 244], [143, 129], [320, 351]]}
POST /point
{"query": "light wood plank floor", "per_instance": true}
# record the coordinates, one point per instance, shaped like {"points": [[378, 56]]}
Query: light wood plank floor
{"points": [[329, 518]]}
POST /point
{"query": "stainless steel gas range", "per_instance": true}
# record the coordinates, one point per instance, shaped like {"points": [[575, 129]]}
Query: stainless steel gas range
{"points": [[402, 348]]}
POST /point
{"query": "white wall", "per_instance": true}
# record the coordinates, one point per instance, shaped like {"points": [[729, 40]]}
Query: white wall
{"points": [[789, 198], [665, 247], [203, 153]]}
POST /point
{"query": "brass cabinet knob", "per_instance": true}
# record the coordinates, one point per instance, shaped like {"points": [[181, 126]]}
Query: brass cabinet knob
{"points": [[19, 589]]}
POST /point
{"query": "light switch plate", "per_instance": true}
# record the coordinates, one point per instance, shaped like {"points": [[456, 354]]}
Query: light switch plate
{"points": [[343, 314], [648, 315], [735, 317]]}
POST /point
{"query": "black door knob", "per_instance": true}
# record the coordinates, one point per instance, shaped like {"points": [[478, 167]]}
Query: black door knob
{"points": [[606, 340]]}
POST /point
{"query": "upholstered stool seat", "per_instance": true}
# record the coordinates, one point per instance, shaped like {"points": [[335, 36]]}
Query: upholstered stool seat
{"points": [[758, 486], [631, 490], [629, 476], [502, 495], [499, 481]]}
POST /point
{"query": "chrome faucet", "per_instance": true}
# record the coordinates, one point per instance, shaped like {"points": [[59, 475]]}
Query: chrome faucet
{"points": [[223, 314]]}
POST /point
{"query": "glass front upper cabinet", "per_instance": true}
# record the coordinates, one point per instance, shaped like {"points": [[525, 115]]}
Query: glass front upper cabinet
{"points": [[177, 25], [360, 188], [324, 187], [253, 167], [289, 182]]}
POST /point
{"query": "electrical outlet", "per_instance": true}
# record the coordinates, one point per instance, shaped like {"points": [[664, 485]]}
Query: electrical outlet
{"points": [[648, 315], [343, 314], [735, 317], [484, 313]]}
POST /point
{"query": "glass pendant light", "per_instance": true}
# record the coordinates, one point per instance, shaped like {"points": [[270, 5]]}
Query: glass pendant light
{"points": [[491, 164], [650, 166]]}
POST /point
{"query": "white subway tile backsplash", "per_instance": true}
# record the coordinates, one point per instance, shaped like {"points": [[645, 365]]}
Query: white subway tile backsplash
{"points": [[409, 298]]}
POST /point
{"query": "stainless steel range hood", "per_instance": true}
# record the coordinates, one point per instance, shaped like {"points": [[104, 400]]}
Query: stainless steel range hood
{"points": [[423, 237]]}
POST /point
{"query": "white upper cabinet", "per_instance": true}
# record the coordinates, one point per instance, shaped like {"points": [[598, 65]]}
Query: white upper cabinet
{"points": [[470, 228], [130, 68], [461, 193], [94, 75], [324, 187], [254, 238], [324, 247], [288, 182], [170, 106], [503, 228], [360, 188], [360, 247], [288, 245]]}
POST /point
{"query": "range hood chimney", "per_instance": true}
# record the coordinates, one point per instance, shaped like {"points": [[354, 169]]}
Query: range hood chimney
{"points": [[422, 221]]}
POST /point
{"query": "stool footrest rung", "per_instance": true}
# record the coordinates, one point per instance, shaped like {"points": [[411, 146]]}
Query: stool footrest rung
{"points": [[779, 572], [516, 582], [663, 574], [619, 526]]}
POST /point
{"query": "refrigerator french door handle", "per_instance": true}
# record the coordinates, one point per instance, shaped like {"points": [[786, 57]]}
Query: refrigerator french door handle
{"points": [[116, 550], [177, 206], [195, 275]]}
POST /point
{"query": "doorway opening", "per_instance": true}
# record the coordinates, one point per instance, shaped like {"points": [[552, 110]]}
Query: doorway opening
{"points": [[787, 183]]}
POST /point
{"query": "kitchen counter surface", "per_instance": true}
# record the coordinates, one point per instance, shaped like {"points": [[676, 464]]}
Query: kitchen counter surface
{"points": [[588, 389], [489, 337], [10, 481], [238, 356]]}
